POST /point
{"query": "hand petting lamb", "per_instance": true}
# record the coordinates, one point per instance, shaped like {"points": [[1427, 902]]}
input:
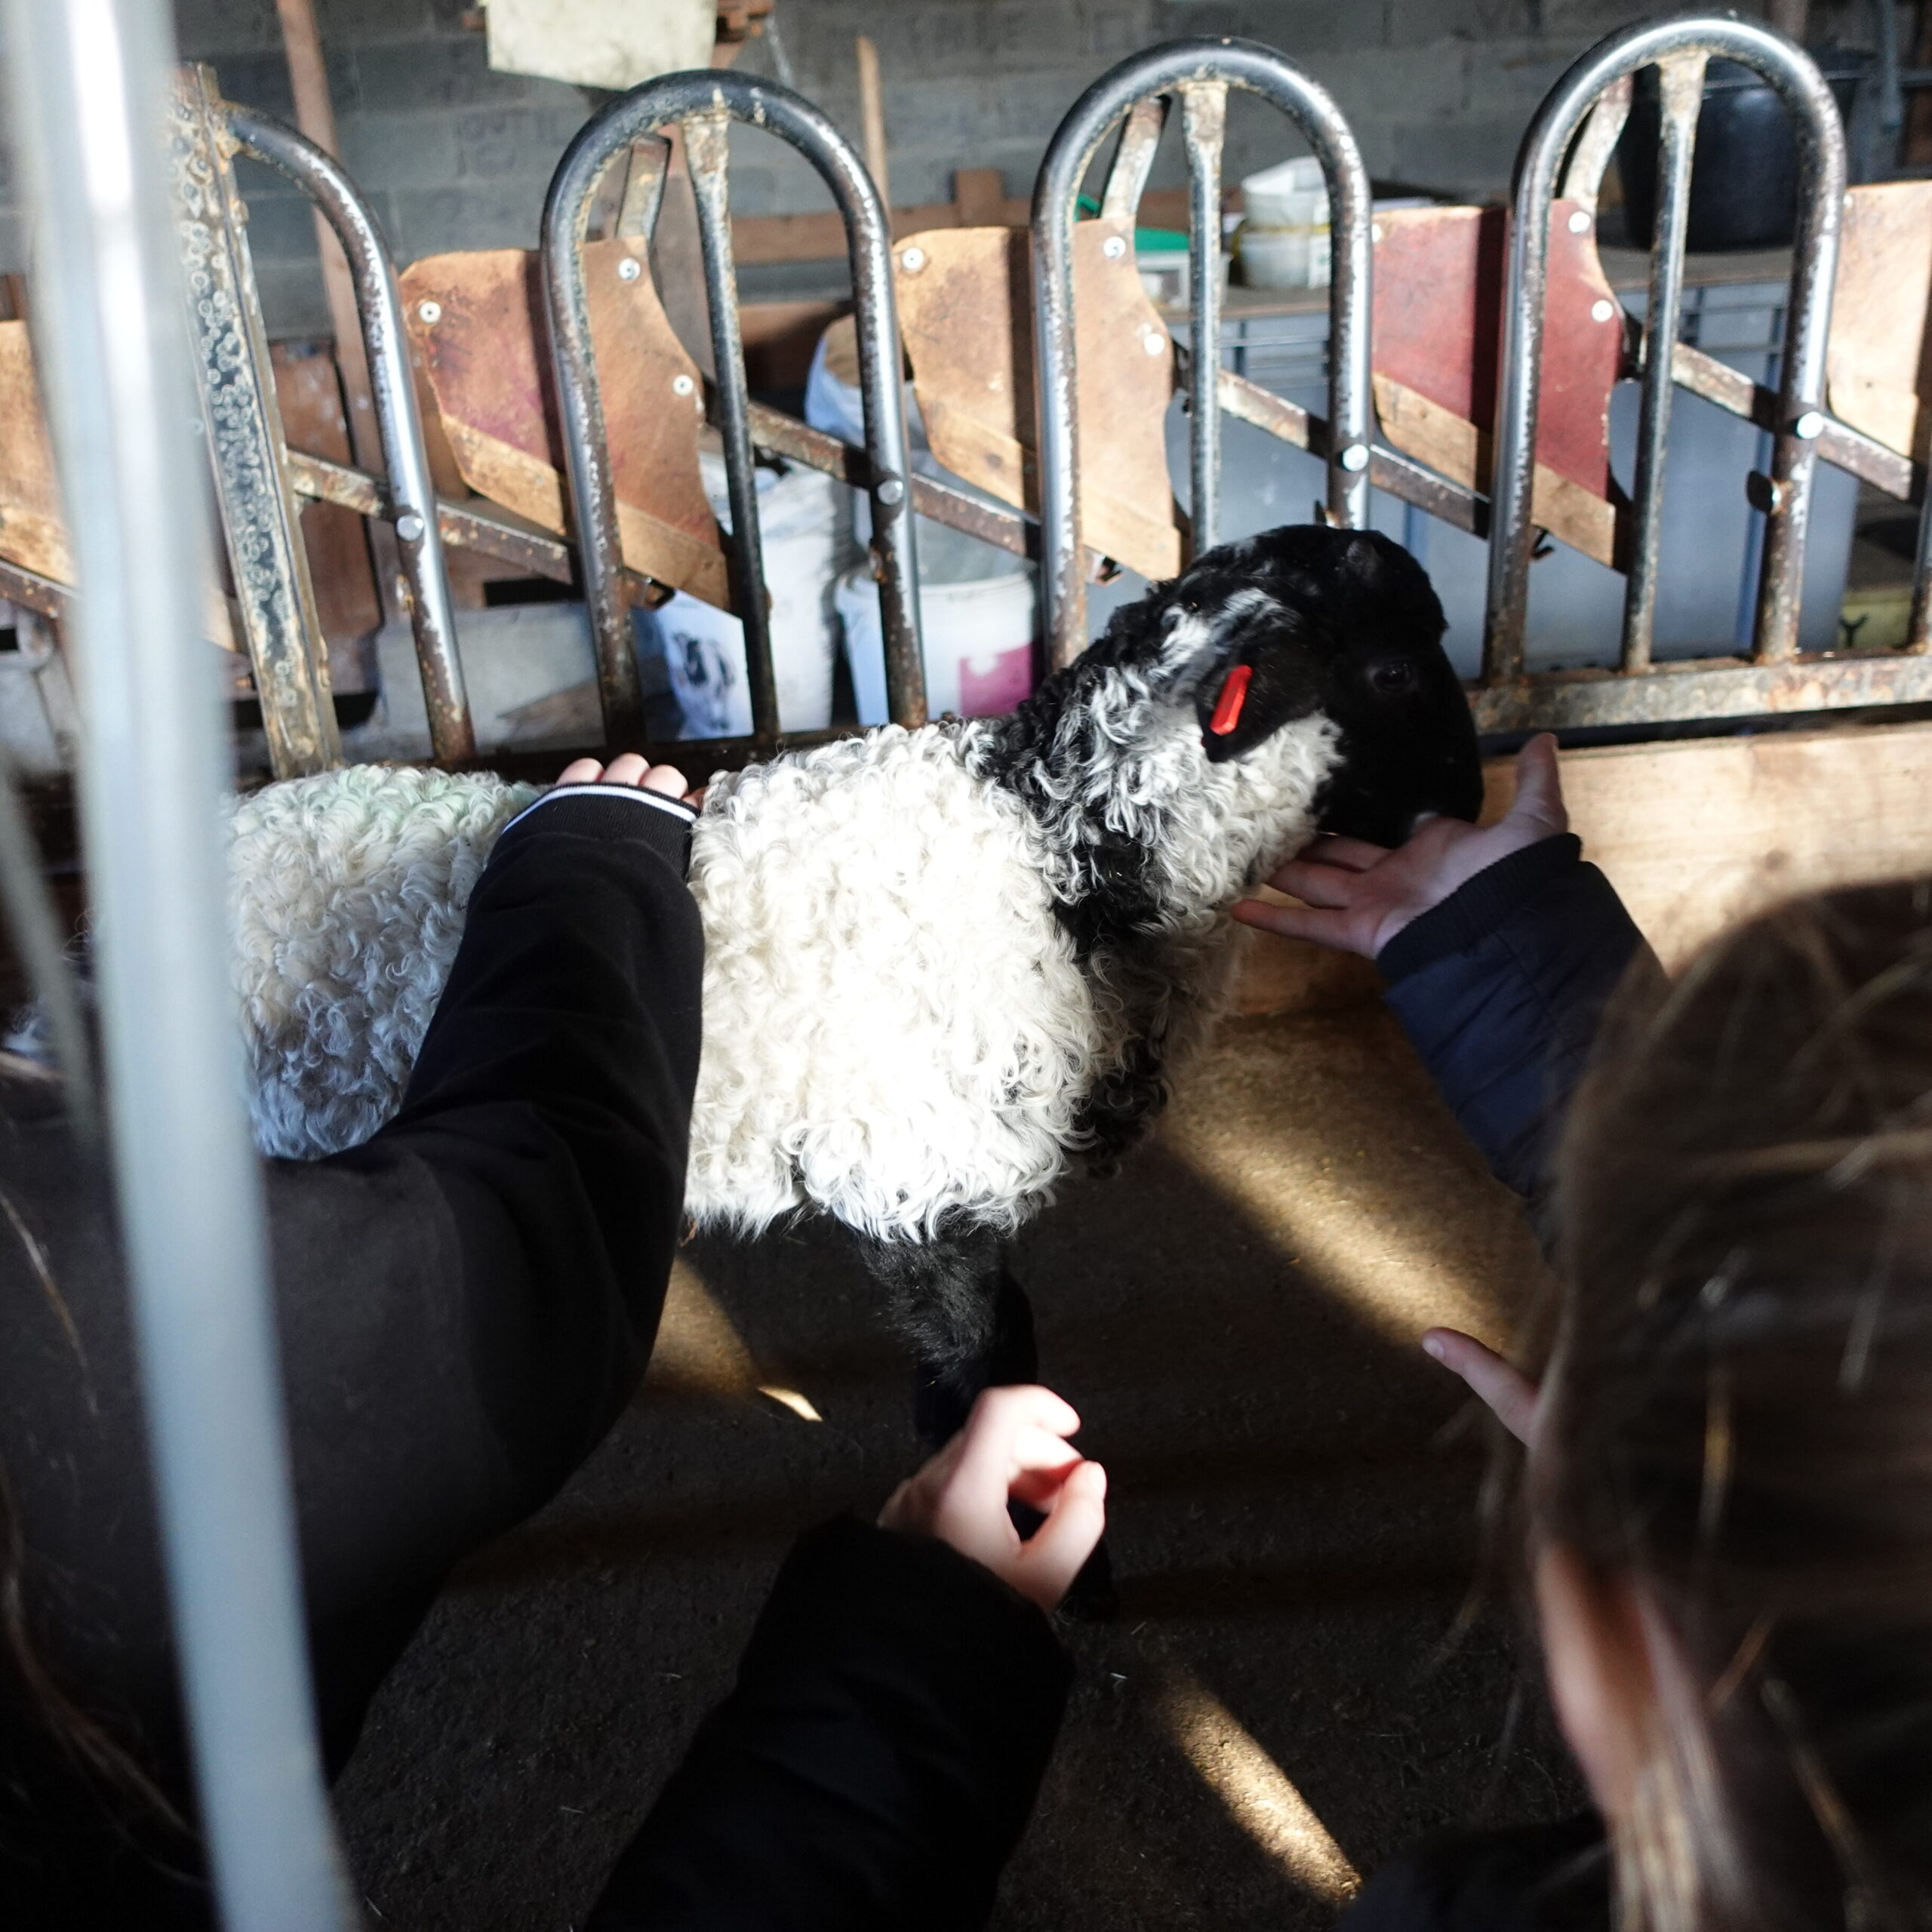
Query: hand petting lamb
{"points": [[944, 968]]}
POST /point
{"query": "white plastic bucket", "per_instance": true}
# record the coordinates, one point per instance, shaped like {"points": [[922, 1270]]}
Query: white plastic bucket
{"points": [[979, 644], [704, 648], [1278, 197]]}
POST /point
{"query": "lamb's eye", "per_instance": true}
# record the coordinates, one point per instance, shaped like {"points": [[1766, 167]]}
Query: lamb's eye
{"points": [[1391, 677]]}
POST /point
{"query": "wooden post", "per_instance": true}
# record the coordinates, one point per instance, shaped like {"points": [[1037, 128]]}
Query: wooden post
{"points": [[872, 114], [1792, 18]]}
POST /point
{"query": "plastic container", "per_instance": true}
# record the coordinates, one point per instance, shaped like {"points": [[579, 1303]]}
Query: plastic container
{"points": [[1744, 185], [704, 648], [1283, 242], [979, 643]]}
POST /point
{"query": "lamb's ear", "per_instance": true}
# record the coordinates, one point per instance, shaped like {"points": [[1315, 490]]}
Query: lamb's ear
{"points": [[1269, 680]]}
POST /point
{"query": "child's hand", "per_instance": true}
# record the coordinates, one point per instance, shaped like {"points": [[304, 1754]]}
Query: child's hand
{"points": [[1509, 1395], [628, 768], [1358, 896], [1013, 1447]]}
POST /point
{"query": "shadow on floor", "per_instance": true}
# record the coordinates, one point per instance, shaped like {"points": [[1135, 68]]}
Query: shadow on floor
{"points": [[1234, 1315]]}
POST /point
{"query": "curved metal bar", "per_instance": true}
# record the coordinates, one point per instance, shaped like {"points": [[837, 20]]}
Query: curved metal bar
{"points": [[1172, 68], [704, 100], [411, 493], [1801, 377], [89, 87]]}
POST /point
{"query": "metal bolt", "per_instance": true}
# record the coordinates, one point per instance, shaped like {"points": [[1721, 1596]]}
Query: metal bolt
{"points": [[1579, 222], [682, 385], [891, 491], [1354, 458], [1154, 343], [1601, 310], [1114, 247], [430, 313], [911, 259], [1810, 426], [409, 526], [629, 268]]}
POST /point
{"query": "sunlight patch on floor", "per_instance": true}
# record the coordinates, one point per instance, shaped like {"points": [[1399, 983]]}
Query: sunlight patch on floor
{"points": [[699, 1351], [1260, 1797], [1308, 1202]]}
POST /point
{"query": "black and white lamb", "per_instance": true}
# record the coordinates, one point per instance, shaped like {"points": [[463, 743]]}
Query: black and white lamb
{"points": [[944, 968]]}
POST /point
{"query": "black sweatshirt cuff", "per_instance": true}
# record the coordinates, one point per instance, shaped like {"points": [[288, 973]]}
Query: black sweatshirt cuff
{"points": [[621, 812], [1478, 906]]}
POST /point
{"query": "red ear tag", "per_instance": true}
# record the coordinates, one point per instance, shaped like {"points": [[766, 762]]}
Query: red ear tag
{"points": [[1234, 695]]}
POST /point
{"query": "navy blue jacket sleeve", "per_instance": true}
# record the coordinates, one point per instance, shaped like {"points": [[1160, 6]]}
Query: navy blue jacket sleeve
{"points": [[874, 1766], [1501, 988]]}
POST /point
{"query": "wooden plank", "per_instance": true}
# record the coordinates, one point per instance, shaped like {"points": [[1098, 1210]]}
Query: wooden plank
{"points": [[1879, 362], [1695, 835], [821, 237], [32, 533], [965, 314], [477, 319]]}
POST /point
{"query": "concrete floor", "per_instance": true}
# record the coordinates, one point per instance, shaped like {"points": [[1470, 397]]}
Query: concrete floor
{"points": [[1284, 1699]]}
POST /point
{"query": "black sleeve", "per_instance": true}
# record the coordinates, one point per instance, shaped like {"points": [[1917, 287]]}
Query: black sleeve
{"points": [[876, 1764], [1501, 988], [467, 1301]]}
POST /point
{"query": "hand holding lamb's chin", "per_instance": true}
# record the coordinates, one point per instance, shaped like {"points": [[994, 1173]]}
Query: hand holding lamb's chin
{"points": [[629, 768], [1356, 896]]}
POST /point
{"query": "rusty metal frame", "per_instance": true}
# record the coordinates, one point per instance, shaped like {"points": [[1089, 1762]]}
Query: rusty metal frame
{"points": [[1679, 49], [407, 500], [705, 104], [1199, 73], [242, 425]]}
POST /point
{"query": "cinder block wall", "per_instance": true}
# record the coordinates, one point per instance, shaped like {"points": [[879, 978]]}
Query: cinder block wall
{"points": [[455, 156]]}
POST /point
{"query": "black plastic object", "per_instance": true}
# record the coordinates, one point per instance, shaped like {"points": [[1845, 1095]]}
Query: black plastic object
{"points": [[1744, 183]]}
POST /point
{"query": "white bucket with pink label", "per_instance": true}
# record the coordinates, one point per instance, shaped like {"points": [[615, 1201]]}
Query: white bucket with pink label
{"points": [[979, 644]]}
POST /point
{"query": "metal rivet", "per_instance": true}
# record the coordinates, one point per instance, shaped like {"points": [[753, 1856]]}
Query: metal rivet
{"points": [[1810, 425], [682, 385], [1154, 343], [431, 313], [1601, 310], [1354, 458], [629, 268], [1579, 222], [409, 526], [911, 259], [1114, 247], [889, 491]]}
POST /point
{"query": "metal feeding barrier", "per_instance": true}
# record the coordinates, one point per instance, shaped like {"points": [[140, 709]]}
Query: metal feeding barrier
{"points": [[1199, 73], [1580, 122], [90, 93], [704, 105]]}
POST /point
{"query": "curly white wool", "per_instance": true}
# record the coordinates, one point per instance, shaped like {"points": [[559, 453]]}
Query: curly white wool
{"points": [[347, 893], [896, 1025]]}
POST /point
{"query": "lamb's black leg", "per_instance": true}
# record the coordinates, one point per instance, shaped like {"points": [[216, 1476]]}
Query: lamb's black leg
{"points": [[944, 1391], [973, 1326]]}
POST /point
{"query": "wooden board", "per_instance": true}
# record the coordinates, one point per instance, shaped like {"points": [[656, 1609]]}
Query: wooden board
{"points": [[1695, 835], [309, 393], [965, 315], [486, 354], [31, 532], [1878, 367], [1438, 283]]}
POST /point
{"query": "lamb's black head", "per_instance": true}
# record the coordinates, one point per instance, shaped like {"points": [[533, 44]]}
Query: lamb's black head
{"points": [[1307, 619]]}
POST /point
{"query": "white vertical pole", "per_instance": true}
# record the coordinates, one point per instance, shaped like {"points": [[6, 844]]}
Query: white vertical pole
{"points": [[89, 81]]}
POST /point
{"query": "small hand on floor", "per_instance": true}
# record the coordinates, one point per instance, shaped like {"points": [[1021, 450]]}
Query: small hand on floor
{"points": [[1012, 1448]]}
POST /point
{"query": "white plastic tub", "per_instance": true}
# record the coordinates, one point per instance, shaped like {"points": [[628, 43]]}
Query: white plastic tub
{"points": [[979, 644], [704, 648]]}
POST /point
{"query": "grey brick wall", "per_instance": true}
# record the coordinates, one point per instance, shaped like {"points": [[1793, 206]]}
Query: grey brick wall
{"points": [[455, 156]]}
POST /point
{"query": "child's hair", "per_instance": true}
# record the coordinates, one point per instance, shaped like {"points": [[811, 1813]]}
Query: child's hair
{"points": [[1739, 1414]]}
